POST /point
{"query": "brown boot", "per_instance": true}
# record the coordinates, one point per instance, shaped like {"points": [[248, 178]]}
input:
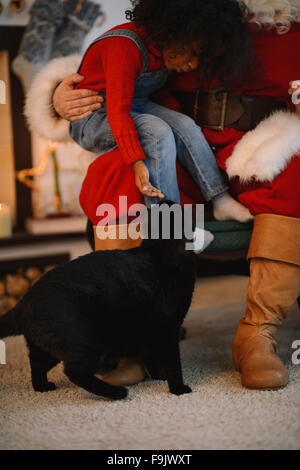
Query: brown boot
{"points": [[118, 238], [273, 288], [130, 370]]}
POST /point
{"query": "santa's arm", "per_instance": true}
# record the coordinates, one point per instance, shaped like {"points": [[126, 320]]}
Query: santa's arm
{"points": [[263, 153], [51, 101]]}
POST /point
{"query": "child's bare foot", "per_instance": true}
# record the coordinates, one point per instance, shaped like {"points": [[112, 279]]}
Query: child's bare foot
{"points": [[226, 208]]}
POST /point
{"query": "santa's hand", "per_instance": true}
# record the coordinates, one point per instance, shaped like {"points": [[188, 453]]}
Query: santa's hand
{"points": [[71, 104]]}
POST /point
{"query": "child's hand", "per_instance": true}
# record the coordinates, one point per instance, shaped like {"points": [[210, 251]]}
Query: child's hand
{"points": [[295, 91], [141, 175]]}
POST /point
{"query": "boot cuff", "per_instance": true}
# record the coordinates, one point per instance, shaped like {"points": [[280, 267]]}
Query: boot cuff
{"points": [[117, 237], [277, 238]]}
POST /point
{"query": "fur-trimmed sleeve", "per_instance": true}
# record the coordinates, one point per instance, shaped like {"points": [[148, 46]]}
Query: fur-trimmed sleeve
{"points": [[39, 111], [263, 153]]}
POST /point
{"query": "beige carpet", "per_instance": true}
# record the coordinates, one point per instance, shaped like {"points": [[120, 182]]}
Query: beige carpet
{"points": [[220, 414]]}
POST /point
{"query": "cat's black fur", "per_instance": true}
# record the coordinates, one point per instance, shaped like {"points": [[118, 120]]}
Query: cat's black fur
{"points": [[94, 310]]}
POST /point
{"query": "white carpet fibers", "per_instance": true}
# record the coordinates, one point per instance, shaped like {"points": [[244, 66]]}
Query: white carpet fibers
{"points": [[219, 414]]}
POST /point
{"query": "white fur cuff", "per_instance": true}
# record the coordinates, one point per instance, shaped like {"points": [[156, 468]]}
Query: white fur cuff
{"points": [[38, 107], [262, 154]]}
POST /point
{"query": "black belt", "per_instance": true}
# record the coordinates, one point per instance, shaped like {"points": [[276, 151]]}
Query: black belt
{"points": [[216, 109]]}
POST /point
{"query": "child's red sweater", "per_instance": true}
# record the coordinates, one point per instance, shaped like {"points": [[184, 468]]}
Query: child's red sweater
{"points": [[112, 65]]}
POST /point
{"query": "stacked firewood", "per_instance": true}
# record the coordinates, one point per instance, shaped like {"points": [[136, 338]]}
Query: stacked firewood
{"points": [[14, 286]]}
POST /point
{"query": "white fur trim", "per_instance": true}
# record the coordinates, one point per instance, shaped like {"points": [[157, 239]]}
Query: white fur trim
{"points": [[262, 154], [274, 13], [38, 107]]}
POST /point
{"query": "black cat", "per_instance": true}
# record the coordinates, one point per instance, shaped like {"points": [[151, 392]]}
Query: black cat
{"points": [[94, 310]]}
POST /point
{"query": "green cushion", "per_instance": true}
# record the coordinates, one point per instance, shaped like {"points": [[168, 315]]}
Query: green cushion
{"points": [[229, 235]]}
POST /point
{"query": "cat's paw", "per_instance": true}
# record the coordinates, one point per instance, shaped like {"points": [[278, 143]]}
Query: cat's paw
{"points": [[181, 390], [45, 387]]}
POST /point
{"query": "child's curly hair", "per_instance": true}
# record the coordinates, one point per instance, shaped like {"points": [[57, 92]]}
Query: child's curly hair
{"points": [[218, 25]]}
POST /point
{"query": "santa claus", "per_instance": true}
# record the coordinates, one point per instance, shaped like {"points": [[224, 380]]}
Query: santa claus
{"points": [[255, 131]]}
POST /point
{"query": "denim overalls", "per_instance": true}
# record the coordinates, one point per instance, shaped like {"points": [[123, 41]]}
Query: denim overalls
{"points": [[164, 135]]}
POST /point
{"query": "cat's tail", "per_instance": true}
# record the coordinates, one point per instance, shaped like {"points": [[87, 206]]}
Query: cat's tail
{"points": [[10, 323]]}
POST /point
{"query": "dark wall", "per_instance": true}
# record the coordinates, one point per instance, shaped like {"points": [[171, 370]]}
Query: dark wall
{"points": [[10, 38]]}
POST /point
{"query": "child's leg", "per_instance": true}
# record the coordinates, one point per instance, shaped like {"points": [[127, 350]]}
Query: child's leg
{"points": [[197, 157], [158, 143]]}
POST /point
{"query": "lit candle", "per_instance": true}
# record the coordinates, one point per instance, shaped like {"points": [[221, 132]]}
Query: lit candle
{"points": [[5, 221]]}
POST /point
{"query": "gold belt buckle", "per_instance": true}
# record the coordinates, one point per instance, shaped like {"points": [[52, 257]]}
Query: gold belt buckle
{"points": [[221, 125]]}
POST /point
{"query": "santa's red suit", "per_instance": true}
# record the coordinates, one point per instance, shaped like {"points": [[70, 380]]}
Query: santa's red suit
{"points": [[264, 167]]}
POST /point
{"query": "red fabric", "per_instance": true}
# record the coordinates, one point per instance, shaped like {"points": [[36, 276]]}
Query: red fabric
{"points": [[108, 177], [281, 196], [280, 57], [112, 65]]}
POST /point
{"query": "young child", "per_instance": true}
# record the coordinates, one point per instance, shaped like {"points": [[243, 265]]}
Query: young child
{"points": [[129, 63]]}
